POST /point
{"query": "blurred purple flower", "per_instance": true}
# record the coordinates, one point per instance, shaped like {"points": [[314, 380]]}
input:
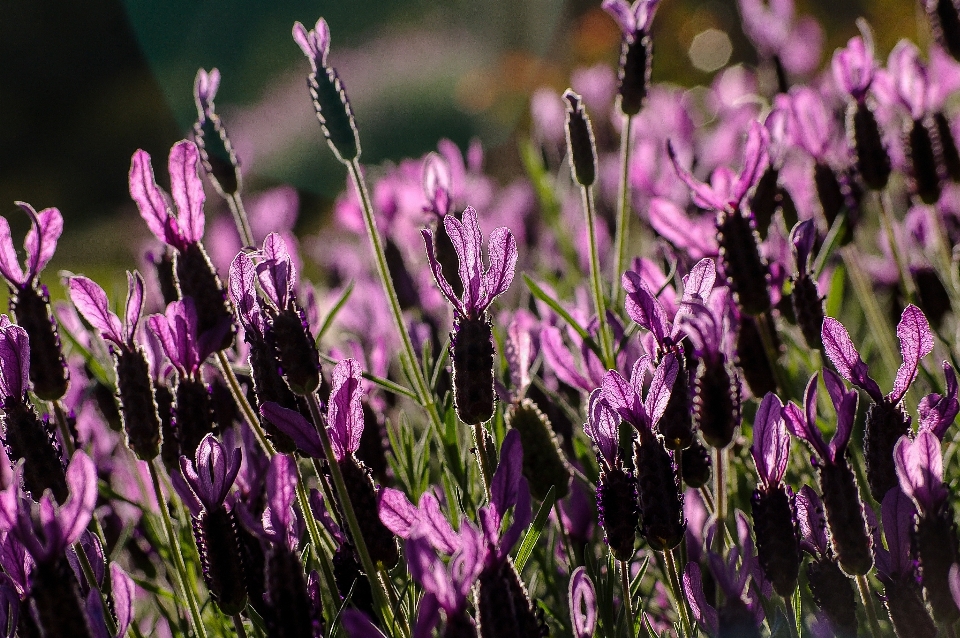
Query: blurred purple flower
{"points": [[39, 244], [937, 412]]}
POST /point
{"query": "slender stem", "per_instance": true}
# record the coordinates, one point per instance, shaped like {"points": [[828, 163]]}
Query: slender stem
{"points": [[384, 577], [240, 219], [376, 585], [567, 545], [64, 427], [868, 300], [623, 212], [886, 218], [326, 568], [791, 617], [720, 497], [678, 596], [414, 370], [92, 582], [238, 625], [867, 597], [241, 399], [625, 593], [595, 285], [948, 630], [181, 568], [480, 439]]}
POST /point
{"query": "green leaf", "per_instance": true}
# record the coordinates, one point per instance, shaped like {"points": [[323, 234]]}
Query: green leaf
{"points": [[543, 296], [337, 307], [533, 533], [386, 384], [835, 295]]}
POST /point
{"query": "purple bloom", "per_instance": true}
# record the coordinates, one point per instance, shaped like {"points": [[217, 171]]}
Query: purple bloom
{"points": [[40, 244], [916, 342], [732, 581], [212, 473], [813, 523], [906, 80], [802, 237], [624, 397], [406, 520], [774, 32], [803, 423], [46, 529], [9, 607], [727, 189], [280, 522], [243, 292], [294, 425], [771, 442], [185, 226], [315, 44], [854, 66], [177, 331], [937, 412], [345, 412], [920, 470], [508, 490], [583, 603], [91, 302], [633, 19], [480, 287], [811, 126], [602, 427], [437, 185], [204, 90], [703, 612], [896, 561], [14, 359]]}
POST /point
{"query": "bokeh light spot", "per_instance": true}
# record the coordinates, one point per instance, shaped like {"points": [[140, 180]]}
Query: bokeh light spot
{"points": [[710, 50]]}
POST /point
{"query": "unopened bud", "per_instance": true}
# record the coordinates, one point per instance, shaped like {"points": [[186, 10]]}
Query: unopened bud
{"points": [[580, 144]]}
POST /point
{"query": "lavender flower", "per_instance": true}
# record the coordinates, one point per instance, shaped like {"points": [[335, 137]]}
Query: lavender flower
{"points": [[844, 510], [583, 603], [30, 300], [792, 45], [886, 419], [471, 341], [805, 298], [937, 412], [920, 470], [636, 50], [737, 617], [216, 152], [183, 230], [774, 518]]}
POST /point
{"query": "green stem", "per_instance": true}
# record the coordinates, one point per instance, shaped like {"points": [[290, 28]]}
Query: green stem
{"points": [[720, 497], [64, 427], [181, 568], [867, 597], [241, 399], [625, 593], [868, 300], [380, 595], [414, 371], [238, 625], [791, 616], [623, 210], [678, 596], [92, 582], [886, 219], [326, 568], [240, 219], [595, 285], [480, 441]]}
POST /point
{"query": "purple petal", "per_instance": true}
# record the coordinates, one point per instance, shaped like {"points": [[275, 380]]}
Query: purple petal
{"points": [[428, 616], [920, 470], [437, 183], [357, 625], [213, 473], [345, 413], [520, 351], [703, 612], [469, 560], [844, 355], [243, 292], [699, 282], [813, 523], [802, 237], [937, 413], [583, 603], [623, 398], [187, 190], [123, 590], [811, 122], [845, 403], [294, 425], [954, 580], [703, 194], [9, 607], [91, 302], [276, 272], [148, 196], [506, 480], [315, 44], [643, 306], [435, 525], [281, 494], [560, 359], [427, 569], [205, 90], [9, 262], [804, 425], [853, 67], [78, 509], [14, 358], [41, 240], [771, 442], [134, 308], [320, 512], [754, 161], [503, 264], [396, 511], [897, 512], [916, 342], [602, 427], [522, 515], [658, 396], [466, 238], [442, 282], [622, 13]]}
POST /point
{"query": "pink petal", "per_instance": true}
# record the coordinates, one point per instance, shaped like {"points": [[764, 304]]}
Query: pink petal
{"points": [[658, 396], [771, 442], [148, 196], [436, 526], [345, 414], [803, 426], [602, 427], [276, 272], [442, 283], [503, 264], [187, 190], [703, 195], [916, 342], [124, 592], [643, 306], [396, 511], [9, 262], [703, 612], [583, 603], [243, 292], [14, 358], [92, 303], [811, 122], [622, 13], [844, 355], [466, 238], [41, 240], [699, 282], [620, 395], [506, 480], [294, 425], [754, 160], [134, 307], [78, 509], [558, 357]]}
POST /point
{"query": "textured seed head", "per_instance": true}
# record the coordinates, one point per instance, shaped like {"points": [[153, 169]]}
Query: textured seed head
{"points": [[619, 511], [544, 465], [872, 160], [636, 66], [908, 614], [351, 580], [57, 600], [936, 546], [169, 437], [254, 567], [30, 307], [833, 593], [885, 424], [471, 351], [696, 465], [141, 422], [193, 415], [580, 143], [288, 615], [808, 309], [829, 192], [752, 355], [219, 547], [744, 267], [716, 401], [269, 386], [167, 277], [107, 405], [296, 351], [197, 278], [766, 199], [948, 144], [33, 441], [380, 541], [662, 522], [334, 112], [778, 537], [676, 424], [849, 537], [504, 609]]}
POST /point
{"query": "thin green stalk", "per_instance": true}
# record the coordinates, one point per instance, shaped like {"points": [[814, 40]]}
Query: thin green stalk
{"points": [[595, 285], [886, 219], [791, 617], [625, 594], [948, 630], [238, 625], [92, 582], [240, 219], [241, 399], [414, 370], [326, 567], [678, 596], [480, 441], [567, 546], [378, 587], [867, 597], [868, 300], [623, 210], [64, 427], [181, 568], [720, 497], [763, 327]]}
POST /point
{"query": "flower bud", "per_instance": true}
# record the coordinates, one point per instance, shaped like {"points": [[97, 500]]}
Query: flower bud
{"points": [[471, 352], [636, 67], [334, 112], [619, 510], [544, 465], [848, 530], [676, 424], [716, 401], [885, 424], [296, 350], [504, 609], [744, 266], [57, 600], [217, 155], [219, 548], [138, 408], [193, 415], [662, 522], [778, 537], [696, 465], [33, 441], [380, 541], [580, 143], [30, 307], [286, 595], [351, 581], [833, 593], [808, 309], [908, 614], [197, 278], [935, 545], [865, 139]]}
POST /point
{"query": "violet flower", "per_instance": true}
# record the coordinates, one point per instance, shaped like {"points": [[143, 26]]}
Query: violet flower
{"points": [[737, 617], [794, 45], [212, 473], [636, 50], [582, 596], [216, 151], [805, 298], [633, 18], [854, 67], [886, 419], [937, 412], [40, 244], [91, 302]]}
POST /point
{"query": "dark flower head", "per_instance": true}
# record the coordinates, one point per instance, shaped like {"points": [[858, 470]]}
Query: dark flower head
{"points": [[803, 424], [46, 529], [212, 473], [802, 238], [920, 470], [937, 412], [916, 342], [185, 226], [624, 397], [632, 18], [771, 442], [40, 244], [727, 189], [91, 302], [480, 287], [14, 359]]}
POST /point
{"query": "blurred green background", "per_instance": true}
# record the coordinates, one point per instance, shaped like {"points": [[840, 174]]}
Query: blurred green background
{"points": [[83, 85]]}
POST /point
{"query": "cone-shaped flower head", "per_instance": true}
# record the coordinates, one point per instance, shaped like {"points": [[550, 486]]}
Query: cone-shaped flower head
{"points": [[920, 470], [580, 142], [480, 286], [14, 360], [40, 244], [216, 152], [211, 474], [582, 596], [184, 225], [46, 529], [633, 19], [91, 302]]}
